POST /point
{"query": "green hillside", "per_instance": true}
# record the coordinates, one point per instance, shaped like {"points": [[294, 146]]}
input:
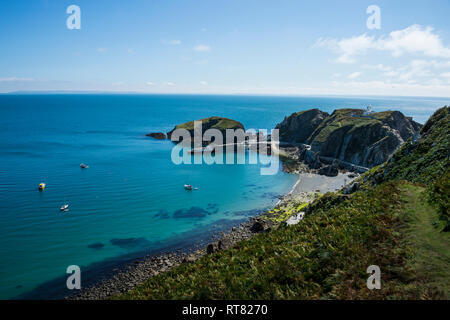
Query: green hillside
{"points": [[212, 123]]}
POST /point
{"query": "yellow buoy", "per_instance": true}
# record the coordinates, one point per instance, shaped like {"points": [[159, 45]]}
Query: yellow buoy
{"points": [[41, 186]]}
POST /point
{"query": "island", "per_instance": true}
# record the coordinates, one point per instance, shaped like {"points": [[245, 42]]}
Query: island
{"points": [[222, 124]]}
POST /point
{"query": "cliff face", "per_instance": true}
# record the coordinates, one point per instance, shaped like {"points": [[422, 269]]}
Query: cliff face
{"points": [[299, 126], [350, 135], [425, 160]]}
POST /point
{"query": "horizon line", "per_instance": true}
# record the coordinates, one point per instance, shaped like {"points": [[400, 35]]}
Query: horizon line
{"points": [[87, 92]]}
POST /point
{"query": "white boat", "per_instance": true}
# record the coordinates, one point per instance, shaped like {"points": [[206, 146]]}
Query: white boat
{"points": [[83, 166], [187, 187], [64, 207]]}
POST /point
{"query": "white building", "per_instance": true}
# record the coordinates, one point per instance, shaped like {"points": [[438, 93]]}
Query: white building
{"points": [[368, 111]]}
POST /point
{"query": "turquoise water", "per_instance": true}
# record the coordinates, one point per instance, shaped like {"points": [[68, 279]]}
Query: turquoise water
{"points": [[131, 199]]}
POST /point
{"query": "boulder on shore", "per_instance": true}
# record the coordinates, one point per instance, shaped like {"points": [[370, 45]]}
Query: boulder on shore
{"points": [[214, 247], [331, 171], [259, 226]]}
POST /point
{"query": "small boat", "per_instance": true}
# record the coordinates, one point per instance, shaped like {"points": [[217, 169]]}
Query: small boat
{"points": [[64, 207], [41, 186], [83, 166], [188, 187]]}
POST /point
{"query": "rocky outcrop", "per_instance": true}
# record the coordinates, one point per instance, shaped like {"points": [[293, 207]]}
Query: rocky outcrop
{"points": [[214, 247], [330, 170], [157, 135], [259, 226], [348, 135], [299, 126], [222, 124]]}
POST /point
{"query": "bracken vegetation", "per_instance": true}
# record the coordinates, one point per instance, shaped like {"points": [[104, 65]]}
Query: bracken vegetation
{"points": [[425, 161]]}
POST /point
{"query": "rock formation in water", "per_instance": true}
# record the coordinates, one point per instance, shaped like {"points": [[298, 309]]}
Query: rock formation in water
{"points": [[157, 135], [209, 123], [352, 136]]}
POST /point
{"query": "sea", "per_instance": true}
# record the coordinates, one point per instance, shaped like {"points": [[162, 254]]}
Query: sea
{"points": [[131, 201]]}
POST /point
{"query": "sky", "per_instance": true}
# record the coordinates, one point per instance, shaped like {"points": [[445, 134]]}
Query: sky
{"points": [[279, 47]]}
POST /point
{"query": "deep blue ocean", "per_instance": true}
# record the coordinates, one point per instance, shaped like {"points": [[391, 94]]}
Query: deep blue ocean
{"points": [[131, 200]]}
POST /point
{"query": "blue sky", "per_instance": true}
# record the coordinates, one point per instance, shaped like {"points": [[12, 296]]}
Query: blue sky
{"points": [[227, 46]]}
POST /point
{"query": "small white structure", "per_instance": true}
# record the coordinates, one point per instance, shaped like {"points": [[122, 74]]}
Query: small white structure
{"points": [[296, 218], [368, 111]]}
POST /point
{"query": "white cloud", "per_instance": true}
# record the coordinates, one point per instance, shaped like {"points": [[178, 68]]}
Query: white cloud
{"points": [[414, 39], [202, 48], [15, 79], [149, 83], [102, 50], [354, 75], [378, 87], [377, 67], [347, 48], [387, 70], [169, 84], [416, 70], [391, 74], [203, 83], [171, 42]]}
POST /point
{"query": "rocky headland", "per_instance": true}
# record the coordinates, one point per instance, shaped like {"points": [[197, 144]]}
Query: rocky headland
{"points": [[347, 139]]}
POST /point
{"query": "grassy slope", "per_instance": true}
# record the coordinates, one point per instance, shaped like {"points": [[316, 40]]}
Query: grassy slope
{"points": [[222, 124], [426, 162], [431, 257], [342, 120], [325, 256]]}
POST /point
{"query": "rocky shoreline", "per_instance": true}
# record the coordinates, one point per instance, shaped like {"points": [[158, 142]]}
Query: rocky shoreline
{"points": [[139, 270]]}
